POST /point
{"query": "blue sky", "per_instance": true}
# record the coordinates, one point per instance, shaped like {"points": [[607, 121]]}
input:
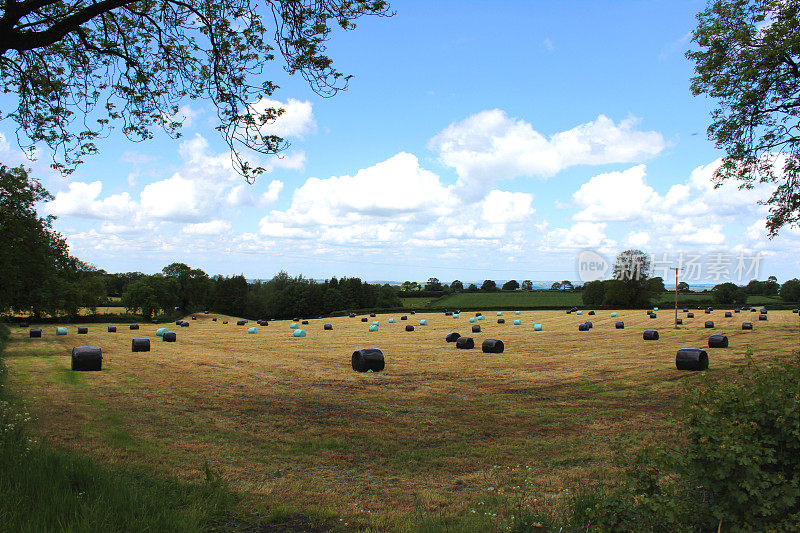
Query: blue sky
{"points": [[477, 140]]}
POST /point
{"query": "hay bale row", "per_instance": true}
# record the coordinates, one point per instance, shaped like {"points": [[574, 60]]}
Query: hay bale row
{"points": [[465, 343], [87, 358], [691, 359], [368, 359], [452, 337]]}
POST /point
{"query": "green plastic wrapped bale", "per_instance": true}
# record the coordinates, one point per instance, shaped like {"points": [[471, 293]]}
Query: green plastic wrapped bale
{"points": [[252, 330], [299, 333], [537, 327], [160, 332], [391, 321], [516, 312], [499, 313], [517, 322], [614, 314], [579, 312], [472, 319], [376, 322], [455, 315], [480, 317], [294, 325], [423, 322], [373, 327], [61, 330]]}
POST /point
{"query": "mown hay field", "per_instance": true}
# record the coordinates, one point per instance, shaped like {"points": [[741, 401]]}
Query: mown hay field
{"points": [[287, 420]]}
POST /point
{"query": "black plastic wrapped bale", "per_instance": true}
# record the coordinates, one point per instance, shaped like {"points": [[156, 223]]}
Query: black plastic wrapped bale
{"points": [[493, 346], [304, 322], [649, 312], [404, 317], [112, 329], [177, 323], [685, 310], [753, 310], [83, 330], [413, 312], [476, 328], [590, 313], [736, 311], [296, 319], [569, 311], [363, 319], [708, 311], [465, 343], [194, 318], [689, 315], [747, 325], [133, 326], [501, 320], [709, 324], [87, 358], [169, 336], [691, 359], [328, 327], [796, 311], [241, 322], [679, 321], [140, 345], [653, 315], [728, 314], [224, 321], [452, 337], [184, 324], [35, 333], [23, 324], [409, 328], [372, 315], [352, 315], [717, 341], [589, 325], [650, 335], [620, 325], [762, 317], [583, 327], [205, 312], [478, 314], [367, 359], [763, 311]]}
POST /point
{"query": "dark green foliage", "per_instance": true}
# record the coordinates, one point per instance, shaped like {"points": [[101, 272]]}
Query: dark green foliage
{"points": [[433, 285], [594, 293], [790, 290], [488, 285], [456, 286], [729, 293], [763, 288], [511, 285], [747, 60]]}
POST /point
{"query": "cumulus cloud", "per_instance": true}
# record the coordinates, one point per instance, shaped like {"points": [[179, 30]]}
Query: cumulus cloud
{"points": [[212, 227], [580, 235], [175, 198], [614, 196], [4, 146], [297, 119], [489, 146], [502, 207], [81, 199]]}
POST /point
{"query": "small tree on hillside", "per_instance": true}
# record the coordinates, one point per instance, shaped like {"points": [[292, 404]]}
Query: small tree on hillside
{"points": [[488, 285], [510, 285]]}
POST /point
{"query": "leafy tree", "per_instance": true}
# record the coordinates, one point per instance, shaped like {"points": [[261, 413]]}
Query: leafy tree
{"points": [[433, 285], [132, 63], [488, 285], [790, 290], [683, 287], [193, 286], [594, 293], [527, 285], [406, 286], [729, 293], [749, 61], [511, 285], [140, 297], [456, 286], [630, 285], [555, 286], [566, 285], [472, 288]]}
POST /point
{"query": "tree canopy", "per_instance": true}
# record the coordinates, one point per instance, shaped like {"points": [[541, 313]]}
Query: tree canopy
{"points": [[748, 60], [79, 68]]}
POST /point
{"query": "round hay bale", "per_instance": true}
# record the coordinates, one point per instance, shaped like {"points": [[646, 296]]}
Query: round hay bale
{"points": [[708, 311], [589, 325], [649, 312], [590, 313], [762, 317], [214, 319], [650, 335], [465, 343], [376, 322], [455, 315], [205, 312], [409, 328], [140, 344], [747, 325], [61, 330], [23, 324], [685, 310], [299, 333], [404, 317], [476, 328], [177, 323], [691, 359], [517, 322], [296, 319], [367, 359], [452, 337], [184, 324], [620, 325], [717, 341], [752, 309], [160, 332], [35, 333], [241, 322], [83, 330], [613, 314], [413, 312], [194, 318], [352, 315], [728, 314], [224, 321], [689, 315], [499, 313], [304, 322], [169, 336], [583, 327], [87, 358], [252, 330], [579, 312], [516, 312], [737, 311], [537, 327], [796, 311], [133, 326], [472, 319], [327, 327], [448, 313], [392, 321], [372, 315], [679, 321], [112, 329], [653, 315], [481, 317], [501, 320], [763, 310], [569, 311], [373, 327], [709, 324], [363, 319], [295, 325], [492, 346], [479, 314], [423, 322]]}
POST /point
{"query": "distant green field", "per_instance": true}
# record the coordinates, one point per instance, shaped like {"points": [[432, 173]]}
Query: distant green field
{"points": [[416, 303], [511, 299]]}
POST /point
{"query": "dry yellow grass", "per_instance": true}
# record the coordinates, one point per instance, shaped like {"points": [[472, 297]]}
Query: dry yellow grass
{"points": [[286, 419]]}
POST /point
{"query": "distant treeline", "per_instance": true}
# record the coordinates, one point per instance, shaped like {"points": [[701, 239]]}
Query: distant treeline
{"points": [[192, 290]]}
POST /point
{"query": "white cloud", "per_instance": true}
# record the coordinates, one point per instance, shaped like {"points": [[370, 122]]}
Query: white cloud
{"points": [[614, 196], [175, 198], [502, 207], [4, 146], [81, 200], [548, 44], [489, 146], [580, 235], [297, 119], [212, 227]]}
